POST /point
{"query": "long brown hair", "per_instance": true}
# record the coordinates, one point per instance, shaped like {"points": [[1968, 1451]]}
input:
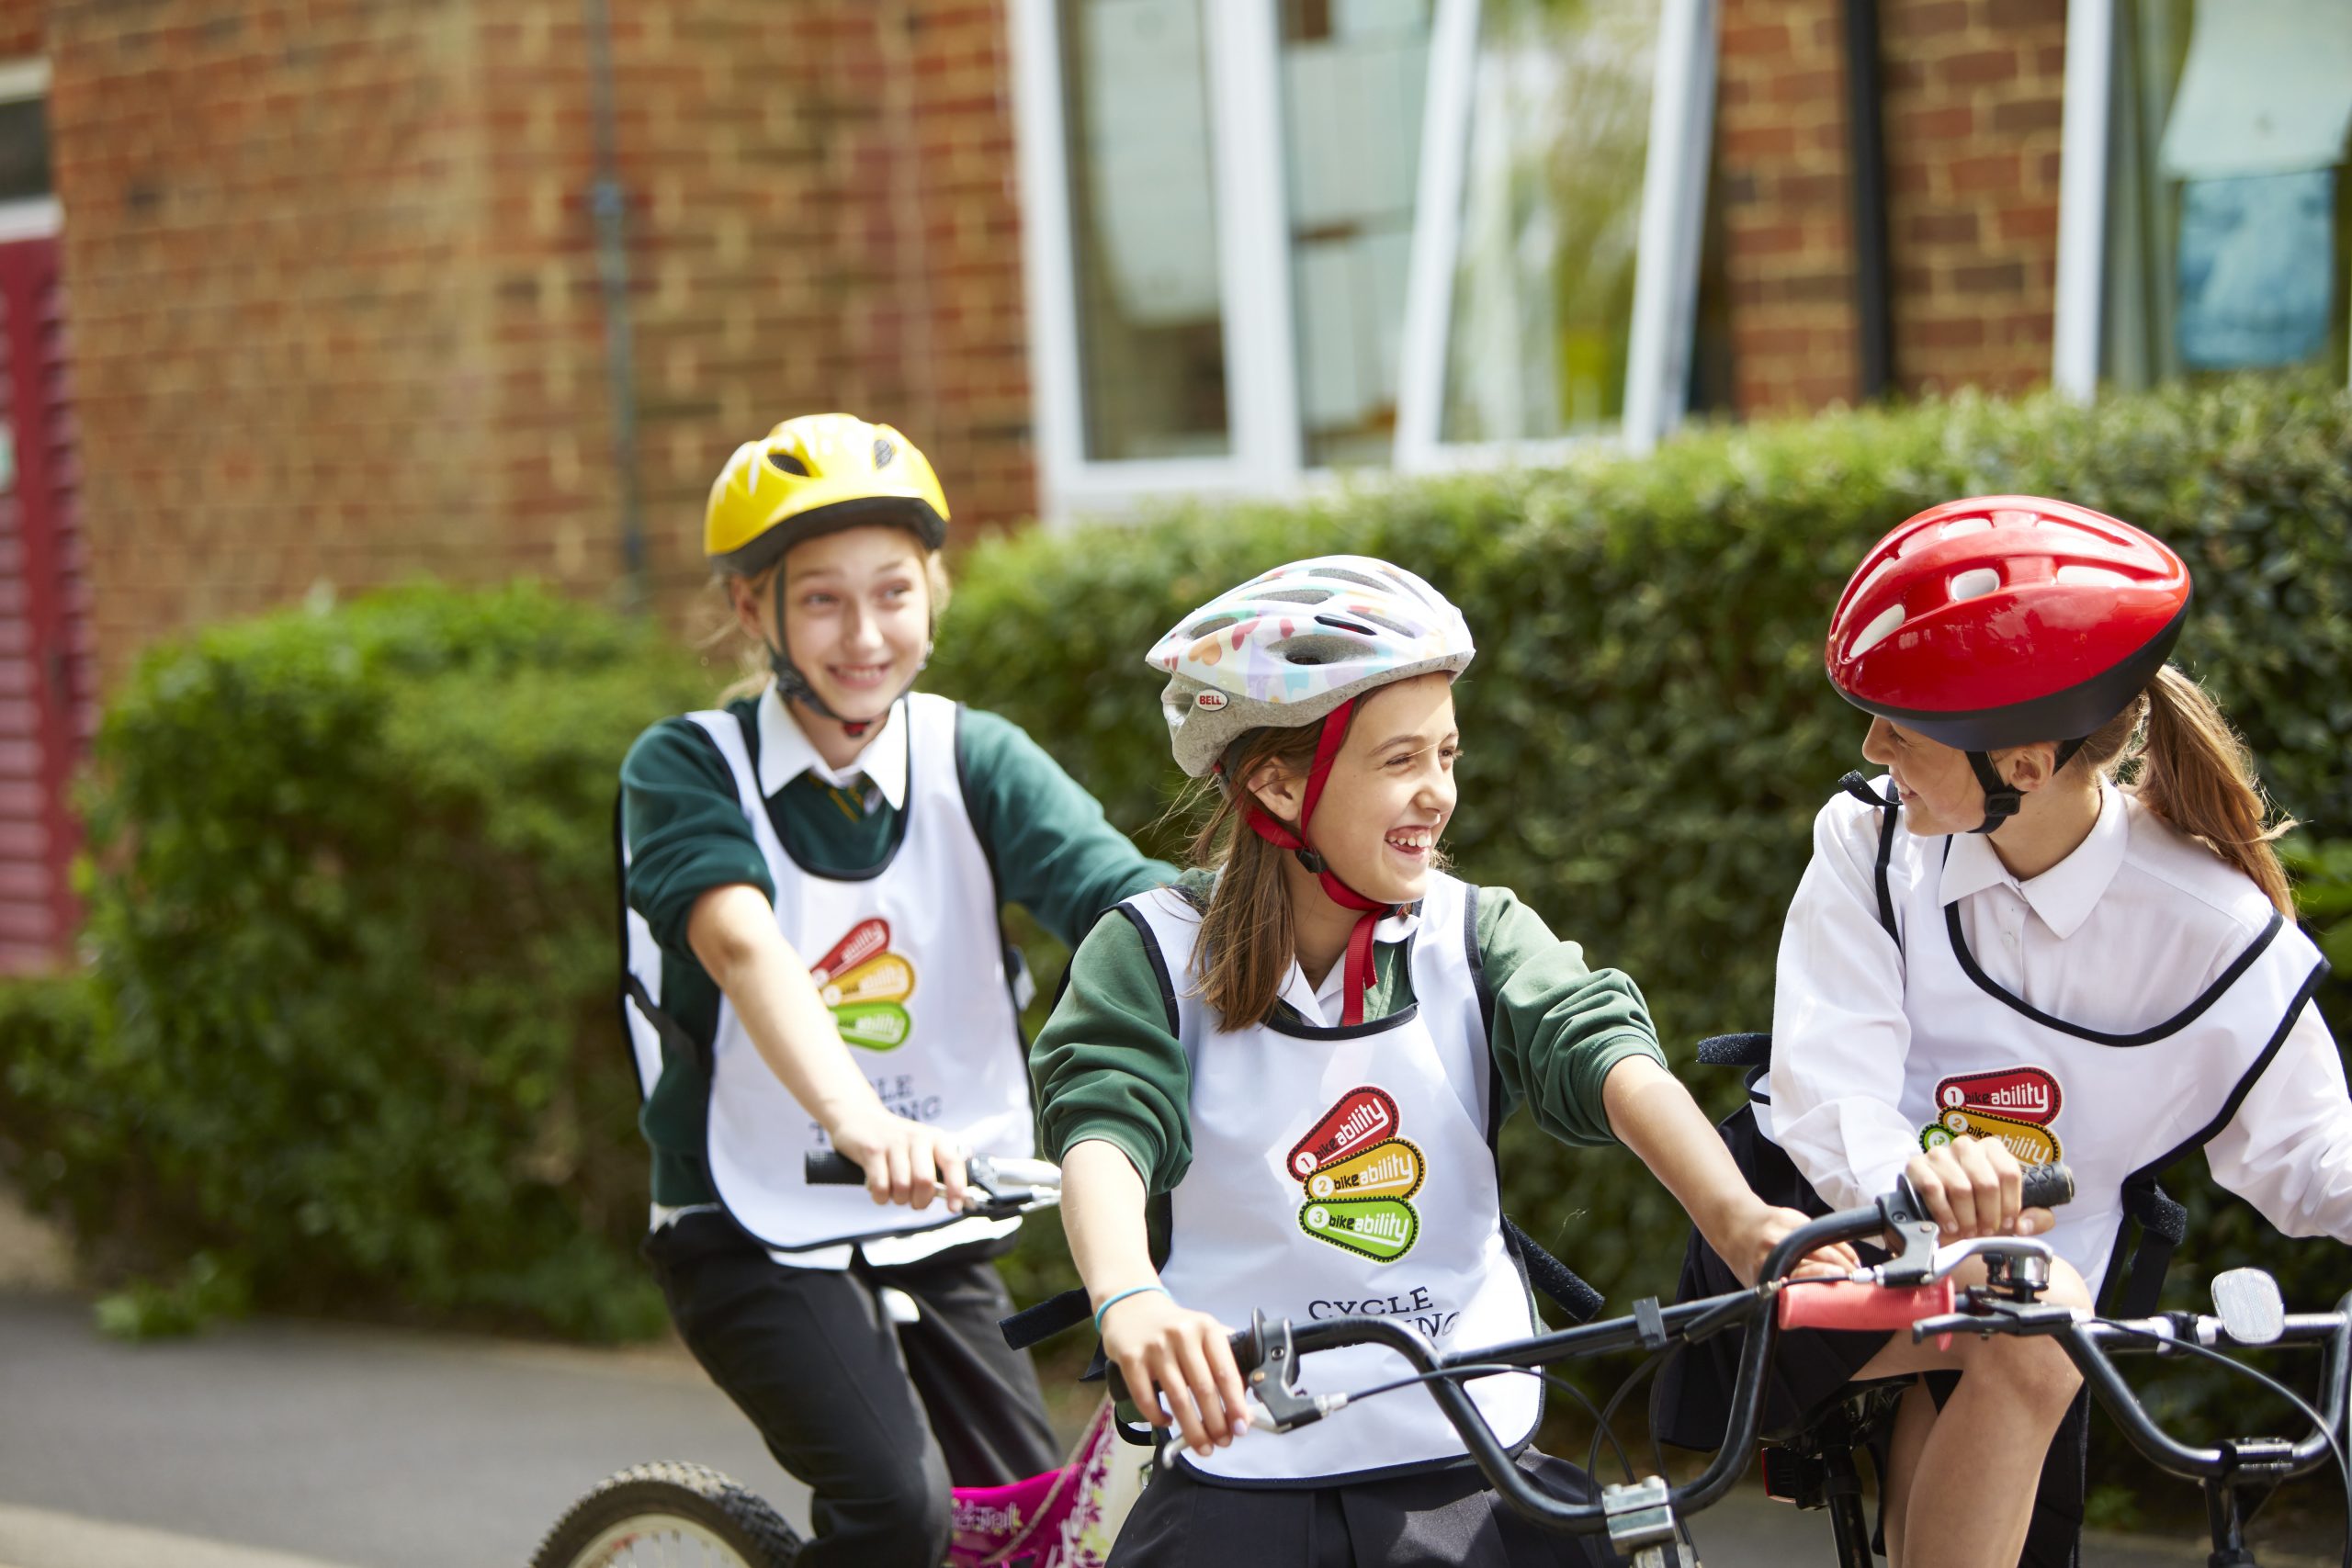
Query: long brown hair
{"points": [[2173, 748], [1247, 937]]}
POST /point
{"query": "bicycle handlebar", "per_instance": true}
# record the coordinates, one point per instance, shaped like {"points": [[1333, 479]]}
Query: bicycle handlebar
{"points": [[1003, 1186], [1918, 1262]]}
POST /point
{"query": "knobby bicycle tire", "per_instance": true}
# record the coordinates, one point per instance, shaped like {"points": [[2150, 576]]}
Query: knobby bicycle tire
{"points": [[668, 1502]]}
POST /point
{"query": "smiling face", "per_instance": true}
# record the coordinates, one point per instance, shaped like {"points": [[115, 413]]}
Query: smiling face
{"points": [[1390, 791], [856, 615], [1940, 791]]}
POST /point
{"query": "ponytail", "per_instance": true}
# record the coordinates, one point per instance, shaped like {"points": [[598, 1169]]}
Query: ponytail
{"points": [[2190, 767]]}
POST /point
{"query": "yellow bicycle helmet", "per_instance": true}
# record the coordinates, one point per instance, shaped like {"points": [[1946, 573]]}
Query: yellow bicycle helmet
{"points": [[813, 476]]}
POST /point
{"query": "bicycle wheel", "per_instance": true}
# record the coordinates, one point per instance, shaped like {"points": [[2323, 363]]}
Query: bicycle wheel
{"points": [[669, 1514]]}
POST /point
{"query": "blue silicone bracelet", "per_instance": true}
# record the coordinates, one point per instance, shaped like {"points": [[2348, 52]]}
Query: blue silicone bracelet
{"points": [[1123, 1295]]}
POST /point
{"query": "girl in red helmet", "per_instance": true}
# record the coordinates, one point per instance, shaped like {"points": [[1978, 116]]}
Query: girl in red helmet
{"points": [[2053, 929]]}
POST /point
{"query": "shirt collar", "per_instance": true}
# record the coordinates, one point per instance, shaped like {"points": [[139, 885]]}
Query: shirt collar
{"points": [[785, 753], [1323, 1007], [2062, 896]]}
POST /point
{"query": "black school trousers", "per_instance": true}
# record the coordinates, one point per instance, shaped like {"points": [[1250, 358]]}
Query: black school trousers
{"points": [[878, 1418], [1430, 1518]]}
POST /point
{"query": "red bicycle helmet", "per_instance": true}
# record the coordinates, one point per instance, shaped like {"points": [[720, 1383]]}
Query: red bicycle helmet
{"points": [[2004, 619]]}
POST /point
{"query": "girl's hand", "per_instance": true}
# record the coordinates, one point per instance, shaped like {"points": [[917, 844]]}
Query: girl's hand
{"points": [[1163, 1349], [1973, 1187], [906, 1162], [1760, 1228]]}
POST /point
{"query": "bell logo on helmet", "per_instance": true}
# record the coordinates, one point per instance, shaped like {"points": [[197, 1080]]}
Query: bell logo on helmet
{"points": [[1211, 700]]}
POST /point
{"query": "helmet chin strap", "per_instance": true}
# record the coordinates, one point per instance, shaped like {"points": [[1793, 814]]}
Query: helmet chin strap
{"points": [[792, 686], [1358, 977], [2003, 799]]}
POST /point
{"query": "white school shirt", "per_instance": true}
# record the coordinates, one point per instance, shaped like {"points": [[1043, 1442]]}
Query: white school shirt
{"points": [[2113, 938]]}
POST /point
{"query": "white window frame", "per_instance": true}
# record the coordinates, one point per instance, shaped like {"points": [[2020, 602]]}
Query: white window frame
{"points": [[2079, 312], [1241, 52], [2082, 198], [36, 217], [1665, 264]]}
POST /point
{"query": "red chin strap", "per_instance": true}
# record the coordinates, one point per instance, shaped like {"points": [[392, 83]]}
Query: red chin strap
{"points": [[1357, 979]]}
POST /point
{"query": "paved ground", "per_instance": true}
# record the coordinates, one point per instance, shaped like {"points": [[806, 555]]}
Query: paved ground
{"points": [[278, 1445]]}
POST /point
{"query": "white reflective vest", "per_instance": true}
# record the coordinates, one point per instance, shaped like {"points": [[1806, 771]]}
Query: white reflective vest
{"points": [[2114, 1107], [1348, 1171], [912, 960]]}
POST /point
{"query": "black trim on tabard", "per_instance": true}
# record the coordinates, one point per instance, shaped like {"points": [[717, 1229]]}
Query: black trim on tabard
{"points": [[1486, 1021], [1477, 959], [2148, 1036], [1009, 959], [1887, 805], [631, 988], [1159, 962], [1281, 1023], [749, 724], [2147, 1277]]}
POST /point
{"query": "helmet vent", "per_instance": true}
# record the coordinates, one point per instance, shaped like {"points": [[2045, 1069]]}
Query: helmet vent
{"points": [[1399, 627], [1959, 527], [1975, 583], [1338, 625], [1209, 623], [1360, 579], [2077, 576], [788, 463], [1881, 626], [1295, 595], [883, 452], [1318, 650]]}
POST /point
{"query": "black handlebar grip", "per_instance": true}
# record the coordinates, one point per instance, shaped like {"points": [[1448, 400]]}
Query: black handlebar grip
{"points": [[831, 1167], [2047, 1186]]}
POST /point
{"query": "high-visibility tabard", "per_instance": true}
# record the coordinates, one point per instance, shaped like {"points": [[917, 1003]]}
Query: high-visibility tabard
{"points": [[1339, 1172], [911, 963]]}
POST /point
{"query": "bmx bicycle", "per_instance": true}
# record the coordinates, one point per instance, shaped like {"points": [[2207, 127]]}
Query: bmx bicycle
{"points": [[1646, 1519]]}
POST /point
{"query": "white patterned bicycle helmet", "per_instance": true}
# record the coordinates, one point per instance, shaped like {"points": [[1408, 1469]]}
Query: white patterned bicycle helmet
{"points": [[1288, 646]]}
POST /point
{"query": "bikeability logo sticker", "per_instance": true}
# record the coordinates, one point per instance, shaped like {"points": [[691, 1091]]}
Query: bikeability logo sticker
{"points": [[868, 985], [2014, 1106], [1358, 1175]]}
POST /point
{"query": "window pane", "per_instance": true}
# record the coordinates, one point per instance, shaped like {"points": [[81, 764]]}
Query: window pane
{"points": [[1353, 72], [1142, 225], [1551, 200], [24, 149], [2227, 220]]}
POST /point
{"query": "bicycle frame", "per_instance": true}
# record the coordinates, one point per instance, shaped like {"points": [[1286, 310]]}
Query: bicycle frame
{"points": [[1640, 1519]]}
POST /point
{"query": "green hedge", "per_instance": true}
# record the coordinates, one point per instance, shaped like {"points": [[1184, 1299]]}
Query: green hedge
{"points": [[1647, 731], [353, 1046], [348, 1042]]}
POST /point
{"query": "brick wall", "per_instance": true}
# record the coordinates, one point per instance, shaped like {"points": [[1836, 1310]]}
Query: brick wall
{"points": [[1972, 114], [1784, 195], [826, 219], [20, 27], [333, 267], [279, 316]]}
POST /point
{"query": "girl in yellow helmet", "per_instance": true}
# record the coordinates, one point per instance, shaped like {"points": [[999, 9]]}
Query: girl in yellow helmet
{"points": [[813, 877]]}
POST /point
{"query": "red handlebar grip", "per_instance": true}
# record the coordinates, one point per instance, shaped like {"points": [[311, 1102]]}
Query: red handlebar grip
{"points": [[1844, 1304]]}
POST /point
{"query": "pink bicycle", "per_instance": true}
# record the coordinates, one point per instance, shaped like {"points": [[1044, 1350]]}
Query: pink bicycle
{"points": [[670, 1512]]}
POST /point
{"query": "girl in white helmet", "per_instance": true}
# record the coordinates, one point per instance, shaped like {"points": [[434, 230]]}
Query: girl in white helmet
{"points": [[1297, 1061], [813, 875]]}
